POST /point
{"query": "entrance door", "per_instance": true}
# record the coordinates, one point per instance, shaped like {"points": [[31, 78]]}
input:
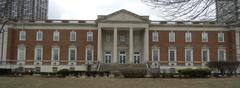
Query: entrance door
{"points": [[122, 57], [136, 58], [108, 57]]}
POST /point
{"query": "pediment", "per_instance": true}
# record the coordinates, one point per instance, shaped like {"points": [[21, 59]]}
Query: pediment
{"points": [[123, 16]]}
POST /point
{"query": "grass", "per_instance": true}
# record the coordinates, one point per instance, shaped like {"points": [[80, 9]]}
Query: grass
{"points": [[31, 82]]}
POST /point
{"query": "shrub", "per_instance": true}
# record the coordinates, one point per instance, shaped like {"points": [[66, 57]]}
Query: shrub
{"points": [[63, 72], [133, 72], [188, 72]]}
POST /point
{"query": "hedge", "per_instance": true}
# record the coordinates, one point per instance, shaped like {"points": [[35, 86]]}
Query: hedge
{"points": [[133, 72], [188, 72]]}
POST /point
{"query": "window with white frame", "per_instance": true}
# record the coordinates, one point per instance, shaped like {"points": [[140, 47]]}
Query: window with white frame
{"points": [[221, 55], [171, 36], [72, 36], [188, 54], [90, 36], [89, 55], [56, 36], [155, 36], [155, 54], [188, 37], [220, 37], [205, 55], [22, 35], [38, 53], [55, 54], [204, 37], [39, 36], [21, 53], [172, 54], [72, 54], [108, 57]]}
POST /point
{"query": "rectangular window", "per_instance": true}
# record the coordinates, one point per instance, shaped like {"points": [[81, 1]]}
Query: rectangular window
{"points": [[205, 55], [204, 37], [39, 36], [72, 36], [136, 58], [122, 38], [72, 54], [172, 55], [171, 36], [55, 54], [188, 54], [89, 36], [38, 54], [108, 57], [221, 55], [188, 37], [89, 55], [21, 53], [155, 54], [155, 36], [55, 36], [220, 37], [22, 35]]}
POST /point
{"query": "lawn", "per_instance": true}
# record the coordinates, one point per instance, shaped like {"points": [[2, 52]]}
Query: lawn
{"points": [[31, 82]]}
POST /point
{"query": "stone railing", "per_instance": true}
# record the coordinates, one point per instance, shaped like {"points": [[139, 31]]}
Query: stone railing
{"points": [[183, 22]]}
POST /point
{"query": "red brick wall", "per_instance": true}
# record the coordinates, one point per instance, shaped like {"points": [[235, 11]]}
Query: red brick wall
{"points": [[47, 44], [196, 43]]}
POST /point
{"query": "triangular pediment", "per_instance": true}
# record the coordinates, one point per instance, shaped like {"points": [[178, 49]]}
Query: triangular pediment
{"points": [[123, 16]]}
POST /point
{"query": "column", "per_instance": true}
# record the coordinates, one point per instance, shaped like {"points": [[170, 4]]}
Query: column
{"points": [[131, 45], [146, 46], [115, 45], [100, 45]]}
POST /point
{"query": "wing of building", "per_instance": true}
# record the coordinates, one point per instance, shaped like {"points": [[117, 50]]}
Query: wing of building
{"points": [[118, 39]]}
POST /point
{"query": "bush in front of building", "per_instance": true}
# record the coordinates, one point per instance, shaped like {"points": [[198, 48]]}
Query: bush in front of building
{"points": [[63, 73], [199, 73], [133, 72]]}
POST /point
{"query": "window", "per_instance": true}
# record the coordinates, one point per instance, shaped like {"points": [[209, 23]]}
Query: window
{"points": [[89, 55], [221, 55], [72, 36], [205, 55], [108, 57], [188, 37], [188, 54], [38, 53], [136, 58], [72, 54], [155, 36], [220, 37], [122, 57], [55, 36], [21, 53], [171, 36], [37, 69], [22, 35], [155, 54], [55, 54], [172, 55], [204, 37], [122, 38], [89, 36], [39, 36]]}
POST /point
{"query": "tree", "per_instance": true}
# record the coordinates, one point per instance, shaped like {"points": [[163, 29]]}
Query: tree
{"points": [[194, 9], [224, 67]]}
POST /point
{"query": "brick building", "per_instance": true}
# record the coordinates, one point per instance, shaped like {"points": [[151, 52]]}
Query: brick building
{"points": [[120, 38]]}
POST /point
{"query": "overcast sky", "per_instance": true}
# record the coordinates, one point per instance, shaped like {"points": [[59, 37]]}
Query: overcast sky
{"points": [[89, 9]]}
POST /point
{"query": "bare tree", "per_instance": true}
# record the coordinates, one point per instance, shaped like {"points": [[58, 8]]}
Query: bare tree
{"points": [[194, 9]]}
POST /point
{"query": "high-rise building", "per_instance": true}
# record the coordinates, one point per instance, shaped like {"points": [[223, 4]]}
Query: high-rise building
{"points": [[24, 9], [228, 11]]}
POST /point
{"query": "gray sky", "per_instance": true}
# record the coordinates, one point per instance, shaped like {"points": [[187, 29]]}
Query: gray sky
{"points": [[89, 9]]}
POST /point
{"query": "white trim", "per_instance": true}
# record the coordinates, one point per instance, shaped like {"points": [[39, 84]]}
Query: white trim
{"points": [[158, 50], [188, 34], [105, 59], [221, 34], [72, 36], [155, 34], [137, 55], [171, 36], [22, 35], [191, 52], [35, 53], [57, 48], [69, 54], [224, 56], [208, 54], [204, 37], [39, 36], [124, 60], [89, 34], [86, 59], [24, 51], [57, 35], [175, 54]]}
